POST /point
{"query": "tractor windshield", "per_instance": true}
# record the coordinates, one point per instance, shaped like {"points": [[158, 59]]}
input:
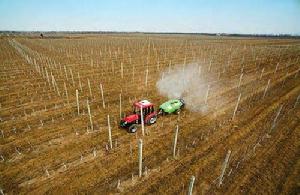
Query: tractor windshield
{"points": [[136, 110]]}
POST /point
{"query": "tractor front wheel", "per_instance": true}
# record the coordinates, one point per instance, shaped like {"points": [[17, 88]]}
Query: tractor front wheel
{"points": [[132, 128]]}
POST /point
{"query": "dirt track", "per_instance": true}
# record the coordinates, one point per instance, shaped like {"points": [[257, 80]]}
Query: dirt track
{"points": [[46, 147]]}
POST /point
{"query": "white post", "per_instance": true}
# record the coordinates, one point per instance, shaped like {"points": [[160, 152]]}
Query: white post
{"points": [[175, 141], [207, 93], [266, 89], [140, 157], [89, 111], [109, 132], [190, 192], [236, 106], [142, 121], [103, 102], [77, 101], [224, 168]]}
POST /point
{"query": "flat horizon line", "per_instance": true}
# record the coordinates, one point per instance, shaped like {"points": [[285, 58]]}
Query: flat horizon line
{"points": [[149, 32]]}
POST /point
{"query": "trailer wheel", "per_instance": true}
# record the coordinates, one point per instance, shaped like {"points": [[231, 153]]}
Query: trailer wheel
{"points": [[178, 111], [132, 128]]}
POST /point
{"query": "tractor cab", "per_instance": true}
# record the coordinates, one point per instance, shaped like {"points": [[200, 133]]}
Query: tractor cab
{"points": [[143, 107], [146, 107]]}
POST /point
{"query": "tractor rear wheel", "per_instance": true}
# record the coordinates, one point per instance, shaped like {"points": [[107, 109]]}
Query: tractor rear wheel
{"points": [[152, 120], [161, 112], [132, 128]]}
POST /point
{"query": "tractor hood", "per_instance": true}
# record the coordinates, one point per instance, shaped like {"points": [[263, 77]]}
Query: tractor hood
{"points": [[131, 118]]}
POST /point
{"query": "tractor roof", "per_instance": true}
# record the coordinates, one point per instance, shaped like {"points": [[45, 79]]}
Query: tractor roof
{"points": [[143, 104]]}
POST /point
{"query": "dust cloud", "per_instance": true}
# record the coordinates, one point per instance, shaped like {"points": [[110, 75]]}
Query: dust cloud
{"points": [[186, 82]]}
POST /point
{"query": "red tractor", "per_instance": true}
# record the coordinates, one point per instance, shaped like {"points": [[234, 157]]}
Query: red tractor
{"points": [[142, 108]]}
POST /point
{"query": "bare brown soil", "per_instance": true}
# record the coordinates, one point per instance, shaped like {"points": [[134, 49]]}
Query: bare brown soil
{"points": [[46, 147]]}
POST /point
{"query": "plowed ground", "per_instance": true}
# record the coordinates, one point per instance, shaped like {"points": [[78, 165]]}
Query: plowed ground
{"points": [[47, 147]]}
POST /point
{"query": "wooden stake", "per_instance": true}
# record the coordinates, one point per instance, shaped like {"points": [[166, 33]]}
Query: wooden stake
{"points": [[109, 132], [175, 142], [140, 144], [90, 90], [190, 192], [296, 102], [207, 93], [146, 78], [102, 95], [240, 81], [73, 82], [224, 168], [261, 74], [142, 121], [266, 89], [77, 101], [122, 71], [276, 68], [66, 92], [80, 85], [236, 106], [276, 117], [120, 97], [89, 111]]}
